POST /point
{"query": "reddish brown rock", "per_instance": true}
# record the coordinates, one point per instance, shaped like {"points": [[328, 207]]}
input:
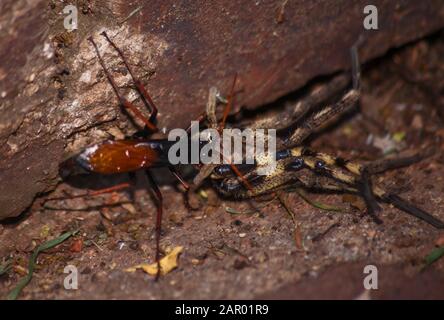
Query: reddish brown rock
{"points": [[54, 97]]}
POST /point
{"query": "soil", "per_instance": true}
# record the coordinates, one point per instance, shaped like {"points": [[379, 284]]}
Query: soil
{"points": [[246, 255]]}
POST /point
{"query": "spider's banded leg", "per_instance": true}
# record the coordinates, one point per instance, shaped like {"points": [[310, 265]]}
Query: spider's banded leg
{"points": [[123, 102], [330, 113], [353, 179], [146, 98], [232, 187], [289, 168], [323, 118], [158, 228], [350, 174], [369, 198], [319, 94], [326, 173], [293, 113], [376, 167], [336, 168], [362, 179], [314, 183], [356, 66], [228, 184], [383, 165]]}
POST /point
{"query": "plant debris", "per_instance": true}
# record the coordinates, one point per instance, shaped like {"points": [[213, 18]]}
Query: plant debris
{"points": [[32, 262], [433, 256], [316, 204], [167, 263], [4, 268]]}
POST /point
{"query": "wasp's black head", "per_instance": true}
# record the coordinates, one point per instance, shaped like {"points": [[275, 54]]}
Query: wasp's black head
{"points": [[72, 166]]}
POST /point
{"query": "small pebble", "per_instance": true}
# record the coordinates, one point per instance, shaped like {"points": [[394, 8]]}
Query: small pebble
{"points": [[134, 245], [240, 264], [76, 245]]}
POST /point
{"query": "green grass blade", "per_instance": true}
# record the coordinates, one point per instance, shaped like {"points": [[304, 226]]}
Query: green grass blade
{"points": [[316, 204], [45, 246], [433, 256]]}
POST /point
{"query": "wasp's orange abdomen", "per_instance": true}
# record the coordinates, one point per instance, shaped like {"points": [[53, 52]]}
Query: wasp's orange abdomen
{"points": [[120, 156]]}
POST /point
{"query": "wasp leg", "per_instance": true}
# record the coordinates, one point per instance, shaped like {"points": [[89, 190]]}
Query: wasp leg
{"points": [[123, 102], [158, 228], [146, 98], [115, 188], [229, 105], [207, 169]]}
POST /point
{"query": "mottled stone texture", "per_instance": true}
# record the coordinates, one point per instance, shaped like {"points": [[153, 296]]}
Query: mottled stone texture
{"points": [[55, 99]]}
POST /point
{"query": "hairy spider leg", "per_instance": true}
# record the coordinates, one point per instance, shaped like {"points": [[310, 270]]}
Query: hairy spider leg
{"points": [[332, 166], [324, 116], [356, 66], [316, 182], [325, 173], [123, 102], [329, 113]]}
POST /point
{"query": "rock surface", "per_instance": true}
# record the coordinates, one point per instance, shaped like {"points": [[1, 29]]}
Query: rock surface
{"points": [[54, 98]]}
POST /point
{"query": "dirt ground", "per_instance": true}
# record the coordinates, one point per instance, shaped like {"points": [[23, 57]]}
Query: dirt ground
{"points": [[247, 255]]}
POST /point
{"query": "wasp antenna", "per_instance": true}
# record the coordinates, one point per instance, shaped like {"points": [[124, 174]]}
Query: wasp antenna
{"points": [[229, 104]]}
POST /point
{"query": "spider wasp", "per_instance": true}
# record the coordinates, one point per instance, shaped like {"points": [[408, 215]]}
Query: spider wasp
{"points": [[295, 164]]}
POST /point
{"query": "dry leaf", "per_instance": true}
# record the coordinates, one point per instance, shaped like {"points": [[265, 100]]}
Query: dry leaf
{"points": [[167, 263]]}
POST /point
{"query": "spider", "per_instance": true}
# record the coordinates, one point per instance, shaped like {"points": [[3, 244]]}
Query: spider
{"points": [[300, 166]]}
